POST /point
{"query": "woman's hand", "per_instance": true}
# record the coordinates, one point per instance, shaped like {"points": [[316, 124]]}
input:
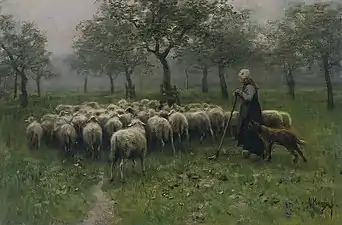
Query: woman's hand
{"points": [[237, 92]]}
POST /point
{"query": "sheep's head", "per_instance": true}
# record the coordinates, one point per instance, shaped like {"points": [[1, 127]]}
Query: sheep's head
{"points": [[113, 114], [172, 111], [136, 122], [30, 119], [62, 113], [76, 108], [130, 110], [163, 113], [93, 119]]}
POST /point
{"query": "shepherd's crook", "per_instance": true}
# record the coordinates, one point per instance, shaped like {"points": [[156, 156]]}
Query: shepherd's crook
{"points": [[224, 132]]}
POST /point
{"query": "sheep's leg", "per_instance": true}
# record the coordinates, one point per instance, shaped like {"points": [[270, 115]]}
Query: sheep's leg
{"points": [[172, 144], [202, 137], [269, 151], [149, 141], [212, 135], [92, 152], [98, 152], [122, 167], [162, 145], [38, 143], [300, 153], [65, 150], [142, 162], [187, 138], [133, 164], [112, 168], [179, 139]]}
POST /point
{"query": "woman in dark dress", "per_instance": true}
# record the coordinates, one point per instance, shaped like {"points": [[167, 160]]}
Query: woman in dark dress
{"points": [[250, 109]]}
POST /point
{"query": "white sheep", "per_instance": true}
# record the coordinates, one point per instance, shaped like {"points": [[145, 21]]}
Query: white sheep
{"points": [[48, 129], [49, 116], [34, 133], [180, 125], [143, 116], [67, 137], [160, 128], [92, 136], [287, 120], [217, 119], [93, 105], [129, 143], [126, 119], [112, 107], [200, 122], [122, 103], [272, 118], [233, 123], [113, 124], [62, 107], [79, 121], [103, 118], [145, 101]]}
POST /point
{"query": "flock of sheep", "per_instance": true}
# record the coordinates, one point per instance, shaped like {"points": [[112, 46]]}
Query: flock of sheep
{"points": [[128, 129]]}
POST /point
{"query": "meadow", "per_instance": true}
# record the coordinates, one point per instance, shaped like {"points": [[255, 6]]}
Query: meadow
{"points": [[42, 187]]}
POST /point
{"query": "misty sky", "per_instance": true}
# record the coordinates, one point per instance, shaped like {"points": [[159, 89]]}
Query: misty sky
{"points": [[59, 17]]}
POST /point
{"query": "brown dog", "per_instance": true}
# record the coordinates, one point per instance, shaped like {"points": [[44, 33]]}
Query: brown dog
{"points": [[281, 137]]}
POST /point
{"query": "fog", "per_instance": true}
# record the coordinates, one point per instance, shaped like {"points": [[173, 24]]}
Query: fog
{"points": [[60, 17]]}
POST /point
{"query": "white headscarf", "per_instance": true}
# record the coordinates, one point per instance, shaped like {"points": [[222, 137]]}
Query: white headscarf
{"points": [[244, 73]]}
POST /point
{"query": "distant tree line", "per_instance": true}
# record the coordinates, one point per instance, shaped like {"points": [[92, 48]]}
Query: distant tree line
{"points": [[198, 34]]}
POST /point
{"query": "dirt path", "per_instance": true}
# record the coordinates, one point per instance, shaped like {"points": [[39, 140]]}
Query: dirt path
{"points": [[102, 212]]}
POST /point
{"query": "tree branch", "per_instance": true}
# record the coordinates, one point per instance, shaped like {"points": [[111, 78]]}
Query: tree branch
{"points": [[178, 39], [10, 56]]}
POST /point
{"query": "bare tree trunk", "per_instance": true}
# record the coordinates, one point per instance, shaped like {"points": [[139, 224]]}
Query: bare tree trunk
{"points": [[167, 74], [205, 88], [85, 85], [129, 86], [290, 83], [15, 86], [330, 96], [23, 85], [38, 86], [223, 83], [186, 72], [111, 81]]}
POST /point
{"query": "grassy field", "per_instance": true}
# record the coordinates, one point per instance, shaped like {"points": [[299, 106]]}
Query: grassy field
{"points": [[42, 188]]}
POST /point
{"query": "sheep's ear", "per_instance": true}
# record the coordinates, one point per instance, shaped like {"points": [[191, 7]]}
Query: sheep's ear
{"points": [[142, 123], [129, 125]]}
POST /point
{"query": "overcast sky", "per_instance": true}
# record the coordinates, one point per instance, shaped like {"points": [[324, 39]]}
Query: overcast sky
{"points": [[59, 17]]}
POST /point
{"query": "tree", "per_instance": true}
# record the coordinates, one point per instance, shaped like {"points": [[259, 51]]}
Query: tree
{"points": [[113, 47], [5, 81], [284, 50], [76, 64], [161, 25], [22, 48], [228, 36], [45, 70], [195, 54], [320, 32]]}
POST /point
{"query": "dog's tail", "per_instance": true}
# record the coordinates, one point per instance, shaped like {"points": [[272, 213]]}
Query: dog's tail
{"points": [[300, 141]]}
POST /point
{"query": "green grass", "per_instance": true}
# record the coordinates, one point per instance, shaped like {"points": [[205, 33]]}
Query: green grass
{"points": [[40, 188]]}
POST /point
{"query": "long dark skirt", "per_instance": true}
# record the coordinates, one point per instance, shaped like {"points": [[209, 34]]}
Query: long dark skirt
{"points": [[253, 143], [249, 140]]}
